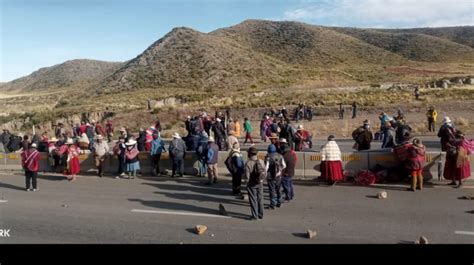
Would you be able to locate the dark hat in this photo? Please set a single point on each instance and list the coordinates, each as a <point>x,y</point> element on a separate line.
<point>252,151</point>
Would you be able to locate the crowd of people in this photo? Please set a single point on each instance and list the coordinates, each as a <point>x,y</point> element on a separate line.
<point>207,135</point>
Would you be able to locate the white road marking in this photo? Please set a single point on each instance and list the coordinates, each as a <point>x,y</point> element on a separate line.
<point>179,213</point>
<point>466,233</point>
<point>3,201</point>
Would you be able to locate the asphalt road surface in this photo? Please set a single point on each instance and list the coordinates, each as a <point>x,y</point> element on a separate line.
<point>165,210</point>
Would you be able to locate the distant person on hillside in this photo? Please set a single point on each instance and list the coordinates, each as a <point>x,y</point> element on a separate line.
<point>432,116</point>
<point>109,128</point>
<point>354,110</point>
<point>341,111</point>
<point>417,93</point>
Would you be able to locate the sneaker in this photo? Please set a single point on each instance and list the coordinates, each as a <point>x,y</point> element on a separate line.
<point>28,190</point>
<point>117,177</point>
<point>278,205</point>
<point>260,217</point>
<point>215,181</point>
<point>36,189</point>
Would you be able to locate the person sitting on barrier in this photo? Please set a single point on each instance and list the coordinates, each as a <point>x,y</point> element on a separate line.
<point>331,165</point>
<point>388,136</point>
<point>157,147</point>
<point>301,138</point>
<point>363,137</point>
<point>132,164</point>
<point>212,159</point>
<point>235,165</point>
<point>255,173</point>
<point>30,162</point>
<point>290,159</point>
<point>71,152</point>
<point>84,142</point>
<point>274,165</point>
<point>101,151</point>
<point>177,151</point>
<point>416,163</point>
<point>119,151</point>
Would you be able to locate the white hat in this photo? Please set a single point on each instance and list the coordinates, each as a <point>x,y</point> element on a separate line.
<point>300,127</point>
<point>283,140</point>
<point>189,117</point>
<point>88,124</point>
<point>218,120</point>
<point>131,142</point>
<point>176,135</point>
<point>211,139</point>
<point>122,129</point>
<point>53,140</point>
<point>33,145</point>
<point>99,137</point>
<point>69,141</point>
<point>93,121</point>
<point>447,120</point>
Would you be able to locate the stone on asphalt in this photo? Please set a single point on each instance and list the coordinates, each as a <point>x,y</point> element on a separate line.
<point>200,229</point>
<point>222,210</point>
<point>311,234</point>
<point>382,195</point>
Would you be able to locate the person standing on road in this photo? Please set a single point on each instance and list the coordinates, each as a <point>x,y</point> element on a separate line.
<point>30,162</point>
<point>290,159</point>
<point>72,165</point>
<point>458,166</point>
<point>274,165</point>
<point>237,128</point>
<point>255,173</point>
<point>446,133</point>
<point>389,136</point>
<point>177,151</point>
<point>416,163</point>
<point>248,131</point>
<point>100,150</point>
<point>119,151</point>
<point>235,165</point>
<point>157,147</point>
<point>232,141</point>
<point>201,152</point>
<point>212,159</point>
<point>331,165</point>
<point>132,164</point>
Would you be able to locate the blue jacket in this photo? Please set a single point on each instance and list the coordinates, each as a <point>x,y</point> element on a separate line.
<point>157,146</point>
<point>212,153</point>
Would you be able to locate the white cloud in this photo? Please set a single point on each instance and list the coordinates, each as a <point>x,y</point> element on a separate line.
<point>389,13</point>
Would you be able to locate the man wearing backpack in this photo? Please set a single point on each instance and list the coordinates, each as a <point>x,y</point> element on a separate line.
<point>274,165</point>
<point>235,165</point>
<point>30,162</point>
<point>255,173</point>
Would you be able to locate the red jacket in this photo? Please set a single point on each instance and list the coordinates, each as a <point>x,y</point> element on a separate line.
<point>82,129</point>
<point>30,160</point>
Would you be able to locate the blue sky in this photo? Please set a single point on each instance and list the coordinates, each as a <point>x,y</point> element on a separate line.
<point>41,33</point>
